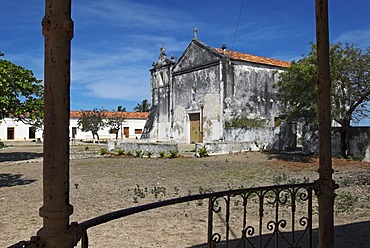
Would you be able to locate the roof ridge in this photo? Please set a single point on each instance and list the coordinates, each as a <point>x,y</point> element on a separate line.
<point>254,58</point>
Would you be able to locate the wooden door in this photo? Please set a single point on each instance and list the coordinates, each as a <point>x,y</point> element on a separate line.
<point>10,134</point>
<point>126,132</point>
<point>194,128</point>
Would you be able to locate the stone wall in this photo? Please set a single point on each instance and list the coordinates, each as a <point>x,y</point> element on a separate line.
<point>359,140</point>
<point>154,147</point>
<point>273,138</point>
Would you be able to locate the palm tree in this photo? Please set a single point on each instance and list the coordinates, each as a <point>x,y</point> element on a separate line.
<point>144,106</point>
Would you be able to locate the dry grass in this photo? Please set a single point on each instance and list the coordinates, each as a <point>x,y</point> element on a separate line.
<point>101,185</point>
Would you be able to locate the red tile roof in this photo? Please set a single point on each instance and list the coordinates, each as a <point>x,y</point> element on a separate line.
<point>113,114</point>
<point>254,59</point>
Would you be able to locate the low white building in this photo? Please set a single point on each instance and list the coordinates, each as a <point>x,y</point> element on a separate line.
<point>11,129</point>
<point>132,125</point>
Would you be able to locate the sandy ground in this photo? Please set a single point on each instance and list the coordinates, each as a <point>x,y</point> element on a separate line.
<point>103,184</point>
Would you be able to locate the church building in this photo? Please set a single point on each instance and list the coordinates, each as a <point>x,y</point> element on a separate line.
<point>195,98</point>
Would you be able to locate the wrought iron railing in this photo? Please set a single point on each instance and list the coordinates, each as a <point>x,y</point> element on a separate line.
<point>273,216</point>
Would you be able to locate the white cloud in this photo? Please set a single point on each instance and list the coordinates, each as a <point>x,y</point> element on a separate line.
<point>131,14</point>
<point>358,37</point>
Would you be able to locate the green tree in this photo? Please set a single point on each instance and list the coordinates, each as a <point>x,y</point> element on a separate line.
<point>350,90</point>
<point>144,106</point>
<point>92,121</point>
<point>21,94</point>
<point>121,109</point>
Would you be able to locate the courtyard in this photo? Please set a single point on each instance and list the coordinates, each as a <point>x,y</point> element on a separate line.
<point>101,184</point>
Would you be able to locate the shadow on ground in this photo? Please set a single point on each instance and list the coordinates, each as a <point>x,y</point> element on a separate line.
<point>351,235</point>
<point>291,157</point>
<point>9,180</point>
<point>18,156</point>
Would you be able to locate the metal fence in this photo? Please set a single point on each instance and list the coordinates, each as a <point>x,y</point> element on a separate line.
<point>272,216</point>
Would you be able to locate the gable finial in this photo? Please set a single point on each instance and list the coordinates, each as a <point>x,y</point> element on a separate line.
<point>195,33</point>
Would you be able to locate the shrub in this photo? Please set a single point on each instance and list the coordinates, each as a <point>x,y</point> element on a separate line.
<point>86,148</point>
<point>2,144</point>
<point>138,153</point>
<point>162,154</point>
<point>103,151</point>
<point>149,154</point>
<point>174,154</point>
<point>119,151</point>
<point>203,152</point>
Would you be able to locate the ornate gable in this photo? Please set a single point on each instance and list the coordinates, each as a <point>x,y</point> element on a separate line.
<point>197,54</point>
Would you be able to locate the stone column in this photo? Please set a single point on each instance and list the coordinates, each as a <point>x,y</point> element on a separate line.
<point>326,184</point>
<point>57,27</point>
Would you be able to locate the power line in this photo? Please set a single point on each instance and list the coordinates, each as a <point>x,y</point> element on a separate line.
<point>237,24</point>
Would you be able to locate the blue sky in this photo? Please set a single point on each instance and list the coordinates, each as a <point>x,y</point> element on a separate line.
<point>116,41</point>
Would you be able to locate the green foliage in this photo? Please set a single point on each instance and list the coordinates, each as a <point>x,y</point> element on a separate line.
<point>174,154</point>
<point>149,154</point>
<point>138,153</point>
<point>203,152</point>
<point>119,152</point>
<point>86,148</point>
<point>350,85</point>
<point>357,156</point>
<point>103,151</point>
<point>21,94</point>
<point>129,153</point>
<point>92,121</point>
<point>162,154</point>
<point>243,122</point>
<point>144,106</point>
<point>2,145</point>
<point>345,202</point>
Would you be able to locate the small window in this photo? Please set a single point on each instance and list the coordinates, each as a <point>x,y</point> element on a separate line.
<point>32,132</point>
<point>138,131</point>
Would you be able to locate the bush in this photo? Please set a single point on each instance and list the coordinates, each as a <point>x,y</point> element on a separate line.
<point>149,154</point>
<point>174,154</point>
<point>2,144</point>
<point>119,151</point>
<point>138,153</point>
<point>203,152</point>
<point>103,151</point>
<point>162,154</point>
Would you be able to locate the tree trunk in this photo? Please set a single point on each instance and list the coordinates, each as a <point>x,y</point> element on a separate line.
<point>344,139</point>
<point>97,136</point>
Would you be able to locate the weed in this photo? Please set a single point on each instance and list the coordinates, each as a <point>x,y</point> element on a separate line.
<point>129,153</point>
<point>174,154</point>
<point>156,191</point>
<point>149,154</point>
<point>103,151</point>
<point>243,122</point>
<point>176,190</point>
<point>86,148</point>
<point>345,202</point>
<point>202,152</point>
<point>138,153</point>
<point>119,152</point>
<point>162,154</point>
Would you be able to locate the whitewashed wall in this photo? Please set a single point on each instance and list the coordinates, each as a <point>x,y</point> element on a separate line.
<point>21,130</point>
<point>132,124</point>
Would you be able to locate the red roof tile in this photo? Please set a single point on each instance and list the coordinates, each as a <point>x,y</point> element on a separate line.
<point>254,59</point>
<point>113,114</point>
